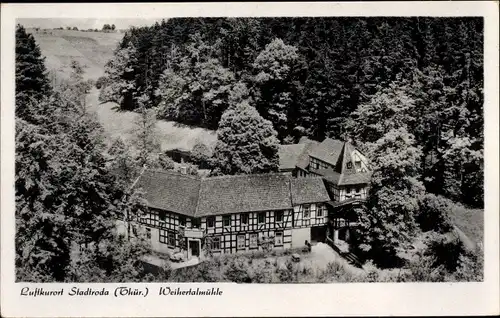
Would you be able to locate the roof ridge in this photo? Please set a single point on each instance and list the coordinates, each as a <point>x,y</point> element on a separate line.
<point>175,173</point>
<point>229,176</point>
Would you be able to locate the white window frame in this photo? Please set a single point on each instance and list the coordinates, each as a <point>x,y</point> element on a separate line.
<point>256,241</point>
<point>170,235</point>
<point>308,211</point>
<point>320,208</point>
<point>240,238</point>
<point>278,239</point>
<point>215,240</point>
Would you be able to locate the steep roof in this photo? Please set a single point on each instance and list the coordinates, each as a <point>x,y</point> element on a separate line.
<point>355,178</point>
<point>289,155</point>
<point>197,197</point>
<point>244,193</point>
<point>308,190</point>
<point>170,191</point>
<point>328,151</point>
<point>303,159</point>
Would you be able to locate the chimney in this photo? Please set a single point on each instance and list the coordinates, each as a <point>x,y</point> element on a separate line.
<point>183,170</point>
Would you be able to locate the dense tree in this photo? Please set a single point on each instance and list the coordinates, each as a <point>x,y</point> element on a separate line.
<point>119,86</point>
<point>145,134</point>
<point>277,84</point>
<point>31,75</point>
<point>67,199</point>
<point>246,143</point>
<point>196,90</point>
<point>388,220</point>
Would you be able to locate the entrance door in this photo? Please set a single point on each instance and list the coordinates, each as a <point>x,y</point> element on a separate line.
<point>194,246</point>
<point>318,234</point>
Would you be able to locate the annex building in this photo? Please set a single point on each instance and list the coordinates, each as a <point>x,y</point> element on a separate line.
<point>310,199</point>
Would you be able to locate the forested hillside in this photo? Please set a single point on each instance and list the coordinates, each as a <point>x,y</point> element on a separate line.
<point>356,78</point>
<point>407,92</point>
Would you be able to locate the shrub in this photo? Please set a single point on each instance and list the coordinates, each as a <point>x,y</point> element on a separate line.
<point>434,213</point>
<point>238,271</point>
<point>288,273</point>
<point>201,155</point>
<point>165,162</point>
<point>263,273</point>
<point>470,267</point>
<point>446,251</point>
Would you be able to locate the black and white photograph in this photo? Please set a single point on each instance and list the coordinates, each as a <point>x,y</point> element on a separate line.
<point>250,150</point>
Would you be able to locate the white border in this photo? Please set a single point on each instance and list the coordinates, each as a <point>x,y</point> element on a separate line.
<point>261,300</point>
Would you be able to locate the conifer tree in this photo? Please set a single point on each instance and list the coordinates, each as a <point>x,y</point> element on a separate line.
<point>32,83</point>
<point>145,133</point>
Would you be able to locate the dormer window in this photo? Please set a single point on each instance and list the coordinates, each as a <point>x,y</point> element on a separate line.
<point>357,164</point>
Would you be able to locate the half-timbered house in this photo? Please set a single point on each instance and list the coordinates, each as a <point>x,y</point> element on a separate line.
<point>232,213</point>
<point>310,200</point>
<point>346,173</point>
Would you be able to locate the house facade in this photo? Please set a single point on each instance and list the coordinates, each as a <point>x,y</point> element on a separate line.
<point>345,171</point>
<point>310,200</point>
<point>230,214</point>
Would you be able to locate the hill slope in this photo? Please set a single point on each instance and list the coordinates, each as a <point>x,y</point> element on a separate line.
<point>93,50</point>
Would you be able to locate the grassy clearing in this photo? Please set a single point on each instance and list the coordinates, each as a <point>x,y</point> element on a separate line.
<point>470,221</point>
<point>171,134</point>
<point>93,50</point>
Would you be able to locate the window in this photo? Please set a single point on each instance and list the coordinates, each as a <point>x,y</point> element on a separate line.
<point>254,240</point>
<point>196,223</point>
<point>357,164</point>
<point>349,165</point>
<point>149,219</point>
<point>216,243</point>
<point>167,237</point>
<point>307,211</point>
<point>134,230</point>
<point>182,220</point>
<point>240,241</point>
<point>171,239</point>
<point>319,210</point>
<point>314,163</point>
<point>148,233</point>
<point>163,236</point>
<point>210,221</point>
<point>358,189</point>
<point>278,239</point>
<point>244,219</point>
<point>226,220</point>
<point>278,216</point>
<point>163,215</point>
<point>348,189</point>
<point>262,217</point>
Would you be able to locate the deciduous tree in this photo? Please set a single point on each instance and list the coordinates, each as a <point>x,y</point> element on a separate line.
<point>246,143</point>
